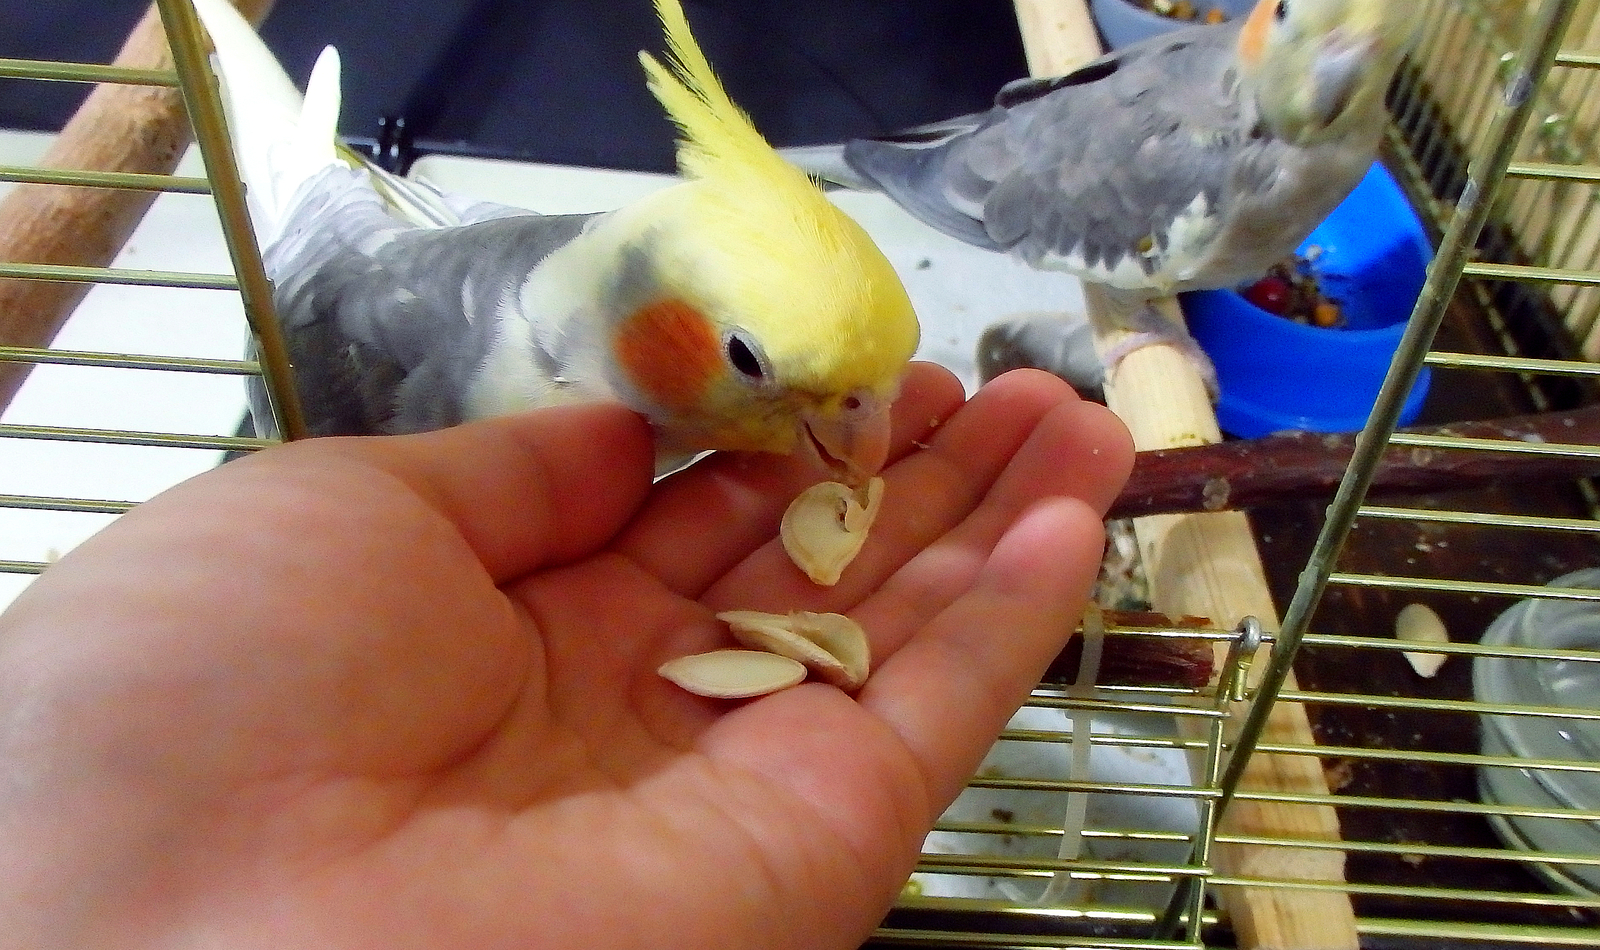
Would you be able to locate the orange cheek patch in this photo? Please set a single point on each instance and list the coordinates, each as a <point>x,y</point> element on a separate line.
<point>670,352</point>
<point>1253,35</point>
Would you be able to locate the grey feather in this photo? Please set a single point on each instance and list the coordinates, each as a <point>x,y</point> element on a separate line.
<point>1055,342</point>
<point>386,321</point>
<point>1101,172</point>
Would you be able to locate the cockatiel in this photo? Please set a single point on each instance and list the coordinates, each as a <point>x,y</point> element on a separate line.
<point>1192,160</point>
<point>738,309</point>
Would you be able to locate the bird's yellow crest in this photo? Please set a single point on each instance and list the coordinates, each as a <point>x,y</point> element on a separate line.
<point>786,247</point>
<point>718,140</point>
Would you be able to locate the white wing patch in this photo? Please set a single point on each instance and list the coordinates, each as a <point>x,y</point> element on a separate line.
<point>1191,239</point>
<point>509,379</point>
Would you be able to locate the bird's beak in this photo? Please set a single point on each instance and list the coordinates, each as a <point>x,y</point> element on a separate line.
<point>1338,71</point>
<point>851,444</point>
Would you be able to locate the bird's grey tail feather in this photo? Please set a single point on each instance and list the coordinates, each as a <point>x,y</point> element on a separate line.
<point>907,167</point>
<point>280,138</point>
<point>417,202</point>
<point>283,139</point>
<point>834,163</point>
<point>913,178</point>
<point>827,163</point>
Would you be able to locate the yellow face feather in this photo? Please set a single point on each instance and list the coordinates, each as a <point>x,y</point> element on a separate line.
<point>1320,66</point>
<point>802,278</point>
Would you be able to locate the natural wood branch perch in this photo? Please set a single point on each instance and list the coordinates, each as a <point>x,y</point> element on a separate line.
<point>1225,476</point>
<point>1133,659</point>
<point>119,128</point>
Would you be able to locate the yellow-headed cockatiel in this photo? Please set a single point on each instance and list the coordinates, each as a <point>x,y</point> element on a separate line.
<point>736,310</point>
<point>1192,160</point>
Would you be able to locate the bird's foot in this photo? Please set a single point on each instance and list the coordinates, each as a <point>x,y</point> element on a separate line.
<point>1155,330</point>
<point>1056,342</point>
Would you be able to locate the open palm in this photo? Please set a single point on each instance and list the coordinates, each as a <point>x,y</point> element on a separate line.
<point>402,692</point>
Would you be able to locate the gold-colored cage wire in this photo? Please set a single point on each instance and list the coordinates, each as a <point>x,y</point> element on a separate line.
<point>1100,816</point>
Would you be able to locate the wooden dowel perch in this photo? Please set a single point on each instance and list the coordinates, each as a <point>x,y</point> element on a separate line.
<point>119,128</point>
<point>1207,565</point>
<point>1228,476</point>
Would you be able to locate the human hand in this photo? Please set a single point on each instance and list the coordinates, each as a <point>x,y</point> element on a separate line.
<point>401,692</point>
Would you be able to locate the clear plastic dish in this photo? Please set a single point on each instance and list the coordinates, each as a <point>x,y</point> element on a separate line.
<point>1552,683</point>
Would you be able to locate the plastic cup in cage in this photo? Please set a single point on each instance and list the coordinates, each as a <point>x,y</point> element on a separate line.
<point>1571,746</point>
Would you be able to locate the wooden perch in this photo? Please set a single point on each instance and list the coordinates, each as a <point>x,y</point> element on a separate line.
<point>1225,476</point>
<point>119,128</point>
<point>1208,565</point>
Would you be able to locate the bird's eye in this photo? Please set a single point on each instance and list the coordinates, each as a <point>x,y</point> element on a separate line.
<point>1281,10</point>
<point>742,354</point>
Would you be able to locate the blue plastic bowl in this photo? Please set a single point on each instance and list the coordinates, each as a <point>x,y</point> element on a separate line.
<point>1122,22</point>
<point>1275,374</point>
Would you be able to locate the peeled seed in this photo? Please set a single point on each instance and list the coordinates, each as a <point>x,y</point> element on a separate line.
<point>832,646</point>
<point>1419,624</point>
<point>774,633</point>
<point>824,528</point>
<point>733,674</point>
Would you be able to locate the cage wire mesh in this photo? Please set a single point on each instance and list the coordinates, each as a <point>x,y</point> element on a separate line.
<point>1094,820</point>
<point>53,448</point>
<point>1467,795</point>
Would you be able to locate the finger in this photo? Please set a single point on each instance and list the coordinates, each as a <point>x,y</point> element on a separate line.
<point>525,491</point>
<point>701,522</point>
<point>949,690</point>
<point>927,494</point>
<point>1077,451</point>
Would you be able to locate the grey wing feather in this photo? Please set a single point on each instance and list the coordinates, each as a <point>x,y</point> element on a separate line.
<point>422,203</point>
<point>826,163</point>
<point>909,167</point>
<point>1092,164</point>
<point>920,169</point>
<point>1100,170</point>
<point>386,322</point>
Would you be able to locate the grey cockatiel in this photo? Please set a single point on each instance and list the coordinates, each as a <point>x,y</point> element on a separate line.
<point>736,310</point>
<point>1193,160</point>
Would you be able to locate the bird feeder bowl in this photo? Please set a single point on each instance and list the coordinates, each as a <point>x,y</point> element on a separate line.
<point>1370,256</point>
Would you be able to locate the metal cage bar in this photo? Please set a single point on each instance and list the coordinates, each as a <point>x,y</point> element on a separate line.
<point>192,78</point>
<point>201,96</point>
<point>1131,883</point>
<point>1472,212</point>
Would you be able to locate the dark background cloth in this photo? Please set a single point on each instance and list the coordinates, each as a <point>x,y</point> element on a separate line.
<point>559,80</point>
